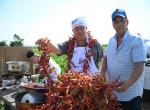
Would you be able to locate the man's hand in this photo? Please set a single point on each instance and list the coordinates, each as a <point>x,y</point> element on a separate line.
<point>105,76</point>
<point>51,70</point>
<point>124,85</point>
<point>137,71</point>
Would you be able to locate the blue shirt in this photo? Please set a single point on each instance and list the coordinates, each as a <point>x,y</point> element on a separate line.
<point>120,63</point>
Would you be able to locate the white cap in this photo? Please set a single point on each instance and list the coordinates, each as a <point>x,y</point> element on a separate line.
<point>80,21</point>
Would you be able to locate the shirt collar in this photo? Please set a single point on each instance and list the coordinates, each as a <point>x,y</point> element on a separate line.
<point>124,37</point>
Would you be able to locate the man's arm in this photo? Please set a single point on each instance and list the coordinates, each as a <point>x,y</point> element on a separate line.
<point>138,57</point>
<point>100,50</point>
<point>138,70</point>
<point>136,73</point>
<point>54,48</point>
<point>103,67</point>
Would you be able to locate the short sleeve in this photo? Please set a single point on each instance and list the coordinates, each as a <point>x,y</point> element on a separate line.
<point>138,50</point>
<point>63,47</point>
<point>52,63</point>
<point>105,52</point>
<point>100,50</point>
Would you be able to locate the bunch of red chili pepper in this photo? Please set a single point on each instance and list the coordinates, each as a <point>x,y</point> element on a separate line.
<point>76,91</point>
<point>44,46</point>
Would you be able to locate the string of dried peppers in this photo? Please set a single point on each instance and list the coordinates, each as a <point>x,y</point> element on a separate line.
<point>44,46</point>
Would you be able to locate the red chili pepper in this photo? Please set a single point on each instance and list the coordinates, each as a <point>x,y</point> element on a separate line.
<point>75,91</point>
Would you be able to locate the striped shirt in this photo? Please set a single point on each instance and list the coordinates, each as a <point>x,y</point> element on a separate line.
<point>120,63</point>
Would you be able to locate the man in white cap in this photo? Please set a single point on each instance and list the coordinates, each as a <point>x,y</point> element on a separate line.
<point>83,51</point>
<point>124,61</point>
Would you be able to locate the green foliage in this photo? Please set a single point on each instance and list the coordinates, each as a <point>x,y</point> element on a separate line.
<point>2,105</point>
<point>104,46</point>
<point>18,41</point>
<point>62,61</point>
<point>3,43</point>
<point>36,51</point>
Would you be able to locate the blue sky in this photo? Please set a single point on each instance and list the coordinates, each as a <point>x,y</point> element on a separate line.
<point>32,19</point>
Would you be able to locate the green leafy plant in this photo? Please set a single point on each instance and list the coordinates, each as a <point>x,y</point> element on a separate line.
<point>3,43</point>
<point>104,46</point>
<point>2,105</point>
<point>18,41</point>
<point>36,51</point>
<point>62,61</point>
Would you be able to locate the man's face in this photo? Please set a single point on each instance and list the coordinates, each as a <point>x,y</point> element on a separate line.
<point>80,32</point>
<point>120,25</point>
<point>34,59</point>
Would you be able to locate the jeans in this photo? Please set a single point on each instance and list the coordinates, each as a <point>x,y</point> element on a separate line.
<point>134,104</point>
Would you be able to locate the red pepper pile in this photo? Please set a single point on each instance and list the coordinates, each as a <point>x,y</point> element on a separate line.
<point>75,91</point>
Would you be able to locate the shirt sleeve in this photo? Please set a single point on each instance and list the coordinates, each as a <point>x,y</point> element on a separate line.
<point>63,47</point>
<point>107,48</point>
<point>138,50</point>
<point>110,43</point>
<point>52,63</point>
<point>105,52</point>
<point>100,50</point>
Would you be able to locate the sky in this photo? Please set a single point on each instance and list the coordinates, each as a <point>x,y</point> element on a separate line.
<point>33,19</point>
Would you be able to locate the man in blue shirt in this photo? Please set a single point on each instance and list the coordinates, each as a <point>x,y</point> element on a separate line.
<point>124,61</point>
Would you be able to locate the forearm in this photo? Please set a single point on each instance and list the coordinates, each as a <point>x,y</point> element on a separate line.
<point>103,66</point>
<point>137,71</point>
<point>54,48</point>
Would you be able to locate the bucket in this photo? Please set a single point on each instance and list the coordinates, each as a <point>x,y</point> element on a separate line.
<point>26,101</point>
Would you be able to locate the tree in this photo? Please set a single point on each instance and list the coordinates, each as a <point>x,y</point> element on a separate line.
<point>18,41</point>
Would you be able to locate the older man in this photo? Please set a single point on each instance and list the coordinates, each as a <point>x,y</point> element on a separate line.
<point>83,51</point>
<point>124,61</point>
